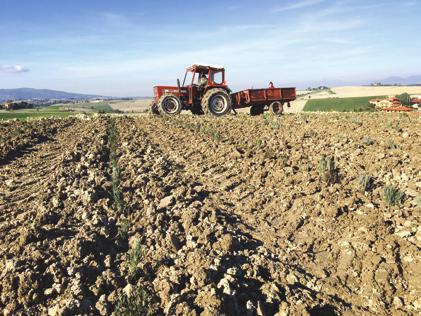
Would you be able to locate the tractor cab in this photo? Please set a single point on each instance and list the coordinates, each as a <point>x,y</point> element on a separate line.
<point>215,76</point>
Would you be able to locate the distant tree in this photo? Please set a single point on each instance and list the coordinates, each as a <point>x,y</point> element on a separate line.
<point>405,98</point>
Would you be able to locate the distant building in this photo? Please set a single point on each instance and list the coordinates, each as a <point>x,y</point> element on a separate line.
<point>375,101</point>
<point>16,105</point>
<point>416,101</point>
<point>386,103</point>
<point>8,105</point>
<point>391,104</point>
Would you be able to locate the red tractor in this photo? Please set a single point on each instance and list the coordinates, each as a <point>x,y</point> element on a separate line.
<point>208,93</point>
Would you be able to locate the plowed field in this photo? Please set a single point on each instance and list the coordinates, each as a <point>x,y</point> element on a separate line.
<point>315,214</point>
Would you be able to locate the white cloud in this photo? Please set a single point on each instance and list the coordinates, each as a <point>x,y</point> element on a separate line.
<point>13,69</point>
<point>297,5</point>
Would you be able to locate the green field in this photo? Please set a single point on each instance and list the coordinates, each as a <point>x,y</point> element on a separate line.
<point>102,107</point>
<point>64,110</point>
<point>357,104</point>
<point>32,115</point>
<point>50,111</point>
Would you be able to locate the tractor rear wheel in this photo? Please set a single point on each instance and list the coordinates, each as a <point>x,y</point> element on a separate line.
<point>169,104</point>
<point>257,110</point>
<point>216,102</point>
<point>276,108</point>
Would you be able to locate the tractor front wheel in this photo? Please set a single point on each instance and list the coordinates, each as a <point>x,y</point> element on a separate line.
<point>169,104</point>
<point>216,102</point>
<point>276,108</point>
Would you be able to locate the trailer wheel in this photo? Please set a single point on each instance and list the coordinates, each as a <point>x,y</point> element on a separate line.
<point>216,102</point>
<point>276,108</point>
<point>169,104</point>
<point>257,110</point>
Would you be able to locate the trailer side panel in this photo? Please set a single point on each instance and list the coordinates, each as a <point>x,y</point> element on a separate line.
<point>251,97</point>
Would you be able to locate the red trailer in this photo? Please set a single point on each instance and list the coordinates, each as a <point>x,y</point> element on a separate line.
<point>259,100</point>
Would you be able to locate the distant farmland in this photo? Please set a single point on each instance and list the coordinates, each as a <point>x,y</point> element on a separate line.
<point>44,112</point>
<point>357,104</point>
<point>103,107</point>
<point>63,110</point>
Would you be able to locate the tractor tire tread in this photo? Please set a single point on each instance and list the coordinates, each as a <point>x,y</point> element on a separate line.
<point>208,95</point>
<point>159,105</point>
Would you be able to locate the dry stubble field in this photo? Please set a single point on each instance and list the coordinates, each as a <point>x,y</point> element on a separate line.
<point>194,215</point>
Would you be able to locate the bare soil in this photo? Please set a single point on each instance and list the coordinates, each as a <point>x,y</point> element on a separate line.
<point>205,216</point>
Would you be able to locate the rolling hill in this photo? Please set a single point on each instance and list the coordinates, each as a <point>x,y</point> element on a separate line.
<point>412,80</point>
<point>29,93</point>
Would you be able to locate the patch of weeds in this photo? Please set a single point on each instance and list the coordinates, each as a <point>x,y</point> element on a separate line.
<point>365,181</point>
<point>242,143</point>
<point>418,201</point>
<point>210,131</point>
<point>123,232</point>
<point>398,128</point>
<point>166,118</point>
<point>275,125</point>
<point>205,129</point>
<point>216,135</point>
<point>392,145</point>
<point>393,196</point>
<point>368,141</point>
<point>266,116</point>
<point>357,122</point>
<point>327,170</point>
<point>117,194</point>
<point>194,127</point>
<point>259,144</point>
<point>404,115</point>
<point>112,136</point>
<point>134,259</point>
<point>395,126</point>
<point>138,303</point>
<point>17,132</point>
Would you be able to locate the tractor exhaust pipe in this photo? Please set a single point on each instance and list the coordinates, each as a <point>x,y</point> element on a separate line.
<point>179,87</point>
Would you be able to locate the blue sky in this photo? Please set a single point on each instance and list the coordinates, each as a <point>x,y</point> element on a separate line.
<point>123,48</point>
